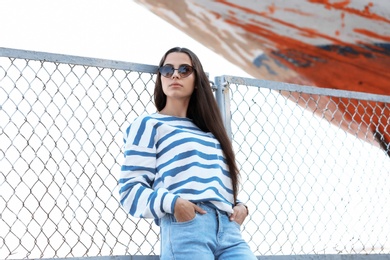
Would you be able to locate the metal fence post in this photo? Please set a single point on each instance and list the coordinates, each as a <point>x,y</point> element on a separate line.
<point>223,101</point>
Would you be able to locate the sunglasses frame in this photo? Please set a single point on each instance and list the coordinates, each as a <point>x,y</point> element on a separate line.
<point>181,67</point>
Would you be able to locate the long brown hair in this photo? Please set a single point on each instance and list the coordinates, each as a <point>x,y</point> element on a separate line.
<point>203,111</point>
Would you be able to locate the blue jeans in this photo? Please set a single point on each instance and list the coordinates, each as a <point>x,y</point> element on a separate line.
<point>206,237</point>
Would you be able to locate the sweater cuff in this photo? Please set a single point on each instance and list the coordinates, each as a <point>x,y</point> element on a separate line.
<point>168,203</point>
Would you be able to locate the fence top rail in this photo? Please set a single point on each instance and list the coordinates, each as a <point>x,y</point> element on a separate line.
<point>275,85</point>
<point>76,60</point>
<point>145,68</point>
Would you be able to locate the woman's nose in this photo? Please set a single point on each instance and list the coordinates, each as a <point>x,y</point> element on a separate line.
<point>175,74</point>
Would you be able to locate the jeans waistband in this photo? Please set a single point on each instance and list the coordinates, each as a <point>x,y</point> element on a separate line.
<point>206,204</point>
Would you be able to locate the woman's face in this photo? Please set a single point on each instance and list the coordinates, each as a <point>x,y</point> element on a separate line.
<point>176,86</point>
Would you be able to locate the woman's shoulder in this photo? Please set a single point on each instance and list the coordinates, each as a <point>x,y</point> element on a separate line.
<point>141,126</point>
<point>160,120</point>
<point>144,118</point>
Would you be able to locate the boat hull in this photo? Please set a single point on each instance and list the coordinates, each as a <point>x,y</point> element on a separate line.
<point>329,44</point>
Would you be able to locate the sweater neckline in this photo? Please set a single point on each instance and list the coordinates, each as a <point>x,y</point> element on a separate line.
<point>178,117</point>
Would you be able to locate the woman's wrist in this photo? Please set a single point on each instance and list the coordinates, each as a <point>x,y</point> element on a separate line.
<point>246,207</point>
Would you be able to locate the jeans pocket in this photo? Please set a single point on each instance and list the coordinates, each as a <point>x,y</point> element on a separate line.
<point>175,222</point>
<point>236,224</point>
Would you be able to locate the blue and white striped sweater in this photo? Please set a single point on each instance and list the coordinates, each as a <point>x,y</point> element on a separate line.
<point>169,157</point>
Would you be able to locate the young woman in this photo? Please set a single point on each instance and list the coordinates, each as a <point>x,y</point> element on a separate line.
<point>180,168</point>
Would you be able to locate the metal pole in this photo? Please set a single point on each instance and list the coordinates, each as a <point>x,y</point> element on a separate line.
<point>223,101</point>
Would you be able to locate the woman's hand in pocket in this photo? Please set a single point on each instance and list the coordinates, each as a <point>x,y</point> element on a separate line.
<point>240,212</point>
<point>186,210</point>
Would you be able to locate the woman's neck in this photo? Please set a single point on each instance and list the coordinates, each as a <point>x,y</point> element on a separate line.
<point>177,110</point>
<point>172,113</point>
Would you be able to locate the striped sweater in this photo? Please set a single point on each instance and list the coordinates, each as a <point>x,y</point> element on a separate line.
<point>167,157</point>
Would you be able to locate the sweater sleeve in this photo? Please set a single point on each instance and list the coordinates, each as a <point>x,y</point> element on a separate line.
<point>137,176</point>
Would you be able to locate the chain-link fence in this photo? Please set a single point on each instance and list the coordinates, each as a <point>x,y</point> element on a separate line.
<point>313,186</point>
<point>315,172</point>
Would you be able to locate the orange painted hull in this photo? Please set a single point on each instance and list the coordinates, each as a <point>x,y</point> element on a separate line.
<point>330,44</point>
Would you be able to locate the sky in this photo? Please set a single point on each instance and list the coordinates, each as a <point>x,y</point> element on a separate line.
<point>108,29</point>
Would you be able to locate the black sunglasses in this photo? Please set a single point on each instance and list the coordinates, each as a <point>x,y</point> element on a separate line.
<point>184,70</point>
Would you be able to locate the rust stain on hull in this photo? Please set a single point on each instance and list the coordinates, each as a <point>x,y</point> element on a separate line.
<point>343,6</point>
<point>330,44</point>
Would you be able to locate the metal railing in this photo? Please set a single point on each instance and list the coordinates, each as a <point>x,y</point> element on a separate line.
<point>313,185</point>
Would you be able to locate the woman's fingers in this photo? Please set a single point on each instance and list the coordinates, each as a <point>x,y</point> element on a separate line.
<point>239,214</point>
<point>186,210</point>
<point>199,209</point>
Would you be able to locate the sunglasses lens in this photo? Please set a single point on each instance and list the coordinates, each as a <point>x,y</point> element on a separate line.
<point>185,70</point>
<point>167,71</point>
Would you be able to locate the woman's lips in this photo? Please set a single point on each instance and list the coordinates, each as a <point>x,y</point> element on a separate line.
<point>175,85</point>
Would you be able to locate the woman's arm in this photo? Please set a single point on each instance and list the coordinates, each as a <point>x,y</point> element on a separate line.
<point>137,175</point>
<point>137,194</point>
